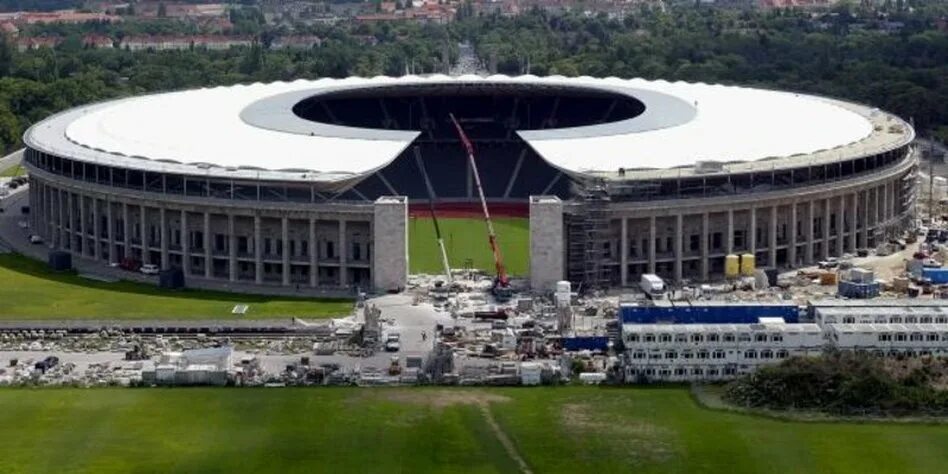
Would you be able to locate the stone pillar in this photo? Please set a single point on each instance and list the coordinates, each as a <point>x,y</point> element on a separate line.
<point>865,219</point>
<point>705,263</point>
<point>163,236</point>
<point>185,244</point>
<point>285,254</point>
<point>651,244</point>
<point>231,247</point>
<point>62,241</point>
<point>729,238</point>
<point>113,252</point>
<point>854,224</point>
<point>96,243</point>
<point>623,251</point>
<point>810,234</point>
<point>792,249</point>
<point>752,245</point>
<point>146,255</point>
<point>547,265</point>
<point>82,225</point>
<point>257,250</point>
<point>390,233</point>
<point>841,227</point>
<point>826,228</point>
<point>126,234</point>
<point>679,250</point>
<point>343,254</point>
<point>772,245</point>
<point>208,251</point>
<point>314,254</point>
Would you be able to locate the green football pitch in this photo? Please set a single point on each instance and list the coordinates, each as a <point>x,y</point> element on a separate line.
<point>465,240</point>
<point>421,430</point>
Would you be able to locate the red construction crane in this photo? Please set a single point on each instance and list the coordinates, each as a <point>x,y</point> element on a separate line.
<point>502,279</point>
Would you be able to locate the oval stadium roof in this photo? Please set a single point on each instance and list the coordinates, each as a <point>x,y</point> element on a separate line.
<point>251,127</point>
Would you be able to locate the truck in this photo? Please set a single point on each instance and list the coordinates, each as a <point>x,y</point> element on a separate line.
<point>652,285</point>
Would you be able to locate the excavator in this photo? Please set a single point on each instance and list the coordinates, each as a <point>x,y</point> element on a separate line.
<point>501,288</point>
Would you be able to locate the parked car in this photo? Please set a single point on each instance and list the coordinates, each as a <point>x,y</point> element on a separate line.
<point>149,269</point>
<point>35,239</point>
<point>393,342</point>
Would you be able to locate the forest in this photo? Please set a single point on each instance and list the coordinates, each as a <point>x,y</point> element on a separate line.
<point>895,59</point>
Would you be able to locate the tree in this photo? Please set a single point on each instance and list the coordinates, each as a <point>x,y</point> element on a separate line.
<point>6,55</point>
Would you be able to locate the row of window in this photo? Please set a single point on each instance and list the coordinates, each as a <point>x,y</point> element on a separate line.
<point>897,320</point>
<point>713,337</point>
<point>703,355</point>
<point>914,337</point>
<point>681,371</point>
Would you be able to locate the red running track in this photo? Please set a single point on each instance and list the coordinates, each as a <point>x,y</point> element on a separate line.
<point>470,210</point>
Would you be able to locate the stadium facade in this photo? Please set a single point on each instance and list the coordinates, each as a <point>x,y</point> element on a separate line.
<point>310,182</point>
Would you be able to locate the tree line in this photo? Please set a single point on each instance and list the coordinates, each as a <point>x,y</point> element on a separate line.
<point>895,59</point>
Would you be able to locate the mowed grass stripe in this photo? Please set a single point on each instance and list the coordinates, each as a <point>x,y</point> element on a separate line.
<point>28,290</point>
<point>562,429</point>
<point>466,238</point>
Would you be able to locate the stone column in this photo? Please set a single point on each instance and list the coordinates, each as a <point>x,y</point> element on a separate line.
<point>163,236</point>
<point>810,231</point>
<point>623,251</point>
<point>343,254</point>
<point>96,243</point>
<point>208,252</point>
<point>146,255</point>
<point>63,237</point>
<point>232,247</point>
<point>126,234</point>
<point>752,246</point>
<point>865,219</point>
<point>390,233</point>
<point>841,227</point>
<point>83,241</point>
<point>705,253</point>
<point>679,253</point>
<point>826,228</point>
<point>113,252</point>
<point>257,250</point>
<point>185,243</point>
<point>792,249</point>
<point>729,238</point>
<point>314,253</point>
<point>772,245</point>
<point>285,254</point>
<point>854,224</point>
<point>651,244</point>
<point>71,220</point>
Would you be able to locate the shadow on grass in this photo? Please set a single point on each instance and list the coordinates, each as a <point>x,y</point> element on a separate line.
<point>24,265</point>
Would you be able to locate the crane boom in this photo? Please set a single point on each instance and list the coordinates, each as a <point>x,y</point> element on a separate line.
<point>502,279</point>
<point>444,253</point>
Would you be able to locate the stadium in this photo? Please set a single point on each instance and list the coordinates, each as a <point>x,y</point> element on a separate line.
<point>313,183</point>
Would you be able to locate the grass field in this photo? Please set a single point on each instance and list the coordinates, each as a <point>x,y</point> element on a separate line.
<point>29,291</point>
<point>18,170</point>
<point>466,238</point>
<point>553,430</point>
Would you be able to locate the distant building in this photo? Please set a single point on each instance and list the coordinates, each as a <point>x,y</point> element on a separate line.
<point>297,42</point>
<point>97,41</point>
<point>64,16</point>
<point>26,44</point>
<point>166,43</point>
<point>7,28</point>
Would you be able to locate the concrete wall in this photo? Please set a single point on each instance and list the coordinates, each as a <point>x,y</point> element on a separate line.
<point>391,244</point>
<point>547,257</point>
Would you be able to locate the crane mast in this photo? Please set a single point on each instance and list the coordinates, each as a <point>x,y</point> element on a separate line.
<point>502,279</point>
<point>444,253</point>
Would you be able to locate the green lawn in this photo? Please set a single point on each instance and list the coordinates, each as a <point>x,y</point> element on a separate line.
<point>565,429</point>
<point>18,170</point>
<point>29,291</point>
<point>466,238</point>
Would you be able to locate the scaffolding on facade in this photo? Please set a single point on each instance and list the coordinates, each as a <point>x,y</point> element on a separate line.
<point>589,239</point>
